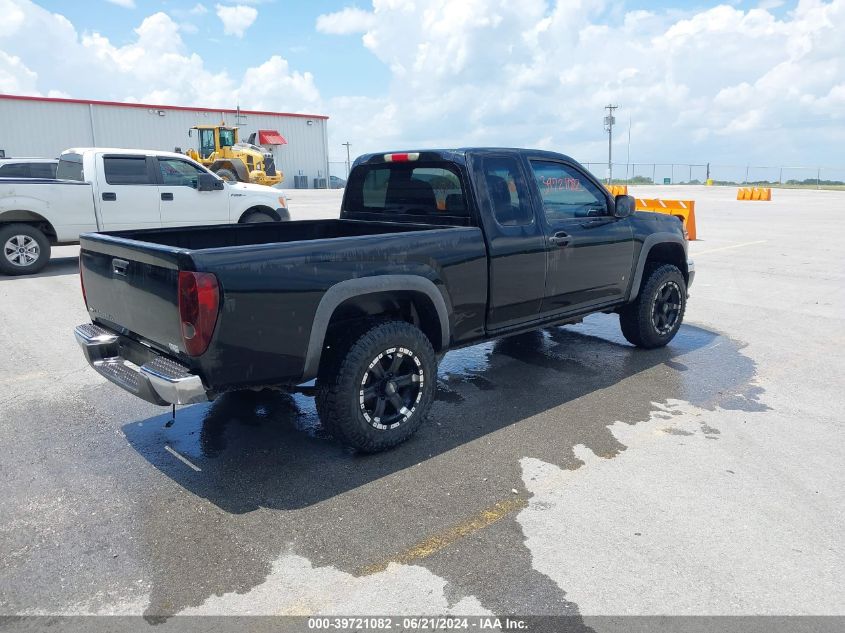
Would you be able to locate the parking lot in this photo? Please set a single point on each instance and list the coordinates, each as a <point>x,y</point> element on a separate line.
<point>562,471</point>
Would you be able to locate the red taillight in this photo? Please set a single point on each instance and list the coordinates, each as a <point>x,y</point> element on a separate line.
<point>401,158</point>
<point>82,282</point>
<point>199,300</point>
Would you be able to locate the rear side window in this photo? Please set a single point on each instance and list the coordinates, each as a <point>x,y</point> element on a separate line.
<point>70,167</point>
<point>43,170</point>
<point>126,170</point>
<point>506,191</point>
<point>15,170</point>
<point>399,189</point>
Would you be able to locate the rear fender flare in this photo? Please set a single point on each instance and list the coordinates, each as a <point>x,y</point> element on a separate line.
<point>350,288</point>
<point>650,242</point>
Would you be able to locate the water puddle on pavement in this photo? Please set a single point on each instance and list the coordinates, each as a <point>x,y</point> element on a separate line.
<point>270,481</point>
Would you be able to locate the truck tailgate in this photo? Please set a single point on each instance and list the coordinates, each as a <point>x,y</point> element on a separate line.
<point>132,287</point>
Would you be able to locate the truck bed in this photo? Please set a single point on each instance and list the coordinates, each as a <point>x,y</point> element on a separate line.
<point>70,200</point>
<point>269,275</point>
<point>217,236</point>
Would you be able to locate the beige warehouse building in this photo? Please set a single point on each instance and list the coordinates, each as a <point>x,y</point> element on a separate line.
<point>44,127</point>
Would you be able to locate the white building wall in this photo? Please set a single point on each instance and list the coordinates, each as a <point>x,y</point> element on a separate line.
<point>39,128</point>
<point>46,128</point>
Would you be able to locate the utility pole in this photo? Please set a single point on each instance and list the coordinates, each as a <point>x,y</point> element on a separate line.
<point>628,157</point>
<point>347,144</point>
<point>609,121</point>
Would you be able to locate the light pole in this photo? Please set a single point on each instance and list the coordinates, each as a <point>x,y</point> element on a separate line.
<point>609,120</point>
<point>628,157</point>
<point>347,144</point>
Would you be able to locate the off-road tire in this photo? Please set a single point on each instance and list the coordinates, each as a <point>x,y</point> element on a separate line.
<point>11,231</point>
<point>637,319</point>
<point>341,385</point>
<point>227,174</point>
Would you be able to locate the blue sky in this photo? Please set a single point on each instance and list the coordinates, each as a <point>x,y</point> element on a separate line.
<point>733,82</point>
<point>285,27</point>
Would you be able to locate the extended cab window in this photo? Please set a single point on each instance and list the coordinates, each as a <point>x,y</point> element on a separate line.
<point>178,173</point>
<point>126,170</point>
<point>43,170</point>
<point>397,189</point>
<point>566,193</point>
<point>70,167</point>
<point>15,170</point>
<point>506,191</point>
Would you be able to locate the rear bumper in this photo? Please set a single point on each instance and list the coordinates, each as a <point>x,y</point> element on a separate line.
<point>690,272</point>
<point>159,380</point>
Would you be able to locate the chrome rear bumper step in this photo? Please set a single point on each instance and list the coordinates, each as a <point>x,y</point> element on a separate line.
<point>161,380</point>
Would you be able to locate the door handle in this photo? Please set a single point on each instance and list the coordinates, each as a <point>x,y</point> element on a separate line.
<point>560,239</point>
<point>119,266</point>
<point>109,196</point>
<point>167,196</point>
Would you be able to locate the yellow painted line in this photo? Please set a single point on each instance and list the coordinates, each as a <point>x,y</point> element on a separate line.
<point>724,248</point>
<point>433,544</point>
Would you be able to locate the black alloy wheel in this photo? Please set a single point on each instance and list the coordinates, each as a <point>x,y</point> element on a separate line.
<point>667,307</point>
<point>391,388</point>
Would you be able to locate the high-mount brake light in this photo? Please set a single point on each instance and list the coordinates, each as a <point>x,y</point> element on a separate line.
<point>401,158</point>
<point>199,302</point>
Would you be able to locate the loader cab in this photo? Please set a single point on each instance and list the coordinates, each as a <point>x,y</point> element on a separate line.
<point>206,142</point>
<point>228,136</point>
<point>213,138</point>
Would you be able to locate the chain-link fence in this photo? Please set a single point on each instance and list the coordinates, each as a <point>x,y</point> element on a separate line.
<point>699,173</point>
<point>338,169</point>
<point>696,174</point>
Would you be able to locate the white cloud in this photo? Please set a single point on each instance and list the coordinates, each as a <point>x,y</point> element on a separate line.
<point>13,18</point>
<point>15,77</point>
<point>266,82</point>
<point>198,9</point>
<point>155,67</point>
<point>718,84</point>
<point>126,4</point>
<point>236,19</point>
<point>715,84</point>
<point>348,20</point>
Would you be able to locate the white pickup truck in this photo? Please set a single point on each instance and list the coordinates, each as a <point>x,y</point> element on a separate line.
<point>98,189</point>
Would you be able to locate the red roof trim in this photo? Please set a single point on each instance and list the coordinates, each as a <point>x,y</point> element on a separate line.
<point>159,107</point>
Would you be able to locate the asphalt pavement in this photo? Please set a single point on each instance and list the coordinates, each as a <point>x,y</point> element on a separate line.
<point>560,472</point>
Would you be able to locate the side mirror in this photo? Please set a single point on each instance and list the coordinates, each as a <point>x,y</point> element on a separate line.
<point>625,206</point>
<point>209,182</point>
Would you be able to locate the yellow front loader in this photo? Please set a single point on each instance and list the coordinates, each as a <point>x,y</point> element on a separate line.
<point>221,151</point>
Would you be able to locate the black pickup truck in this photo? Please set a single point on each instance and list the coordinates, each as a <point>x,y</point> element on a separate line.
<point>434,249</point>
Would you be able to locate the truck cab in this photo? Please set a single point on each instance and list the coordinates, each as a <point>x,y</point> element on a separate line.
<point>103,189</point>
<point>433,250</point>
